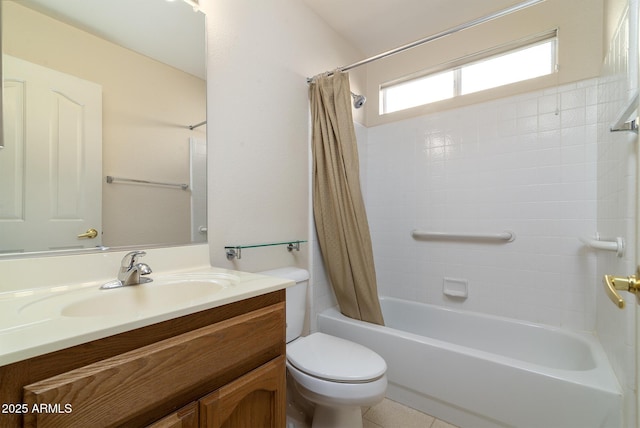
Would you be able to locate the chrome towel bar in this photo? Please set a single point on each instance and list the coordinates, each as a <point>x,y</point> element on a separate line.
<point>506,236</point>
<point>112,179</point>
<point>192,127</point>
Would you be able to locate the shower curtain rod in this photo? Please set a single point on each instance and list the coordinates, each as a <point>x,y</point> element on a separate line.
<point>450,31</point>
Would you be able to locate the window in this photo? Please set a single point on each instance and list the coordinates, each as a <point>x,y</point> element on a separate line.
<point>525,62</point>
<point>423,90</point>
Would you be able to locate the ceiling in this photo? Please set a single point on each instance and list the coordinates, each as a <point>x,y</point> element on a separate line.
<point>168,31</point>
<point>375,26</point>
<point>372,26</point>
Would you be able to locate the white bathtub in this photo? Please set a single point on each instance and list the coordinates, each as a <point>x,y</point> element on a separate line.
<point>475,370</point>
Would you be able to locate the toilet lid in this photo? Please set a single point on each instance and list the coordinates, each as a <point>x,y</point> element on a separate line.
<point>335,359</point>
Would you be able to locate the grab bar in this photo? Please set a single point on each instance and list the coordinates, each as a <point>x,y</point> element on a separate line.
<point>612,244</point>
<point>507,236</point>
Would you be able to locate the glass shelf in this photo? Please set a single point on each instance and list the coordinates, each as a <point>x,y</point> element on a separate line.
<point>235,251</point>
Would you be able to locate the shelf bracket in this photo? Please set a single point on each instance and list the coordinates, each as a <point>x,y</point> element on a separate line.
<point>621,123</point>
<point>233,253</point>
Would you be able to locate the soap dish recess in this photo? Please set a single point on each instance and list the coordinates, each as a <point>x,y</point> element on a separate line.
<point>455,287</point>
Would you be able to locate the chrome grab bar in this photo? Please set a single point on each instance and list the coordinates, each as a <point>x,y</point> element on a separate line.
<point>112,179</point>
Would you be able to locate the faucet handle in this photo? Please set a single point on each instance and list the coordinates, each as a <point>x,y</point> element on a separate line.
<point>144,269</point>
<point>131,258</point>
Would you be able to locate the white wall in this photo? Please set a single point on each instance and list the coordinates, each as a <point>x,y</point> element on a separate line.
<point>260,54</point>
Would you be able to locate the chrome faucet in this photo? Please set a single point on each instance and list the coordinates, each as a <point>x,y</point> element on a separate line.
<point>130,271</point>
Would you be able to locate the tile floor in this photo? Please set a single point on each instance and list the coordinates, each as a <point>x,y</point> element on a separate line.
<point>386,414</point>
<point>389,414</point>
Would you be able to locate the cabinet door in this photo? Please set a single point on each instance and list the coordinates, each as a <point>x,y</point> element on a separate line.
<point>257,400</point>
<point>133,388</point>
<point>187,417</point>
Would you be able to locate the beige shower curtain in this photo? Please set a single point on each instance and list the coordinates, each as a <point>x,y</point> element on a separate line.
<point>338,208</point>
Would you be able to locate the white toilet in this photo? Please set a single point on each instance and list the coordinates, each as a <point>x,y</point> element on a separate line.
<point>336,375</point>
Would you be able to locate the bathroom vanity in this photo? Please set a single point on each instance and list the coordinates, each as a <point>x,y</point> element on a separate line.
<point>223,365</point>
<point>198,347</point>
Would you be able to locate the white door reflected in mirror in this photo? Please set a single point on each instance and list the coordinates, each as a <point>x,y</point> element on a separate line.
<point>53,151</point>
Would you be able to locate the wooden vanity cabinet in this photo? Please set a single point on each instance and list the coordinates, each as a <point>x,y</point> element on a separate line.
<point>224,367</point>
<point>250,401</point>
<point>253,400</point>
<point>187,417</point>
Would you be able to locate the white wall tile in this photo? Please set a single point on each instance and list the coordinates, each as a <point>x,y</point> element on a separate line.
<point>516,164</point>
<point>616,196</point>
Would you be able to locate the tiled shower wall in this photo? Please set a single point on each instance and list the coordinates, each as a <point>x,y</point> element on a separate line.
<point>526,164</point>
<point>617,191</point>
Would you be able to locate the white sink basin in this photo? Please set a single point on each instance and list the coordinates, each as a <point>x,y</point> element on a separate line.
<point>159,295</point>
<point>142,298</point>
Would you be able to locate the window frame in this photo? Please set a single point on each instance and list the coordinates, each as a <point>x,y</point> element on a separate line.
<point>457,65</point>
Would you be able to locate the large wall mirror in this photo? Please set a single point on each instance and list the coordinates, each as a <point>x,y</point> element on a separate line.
<point>103,130</point>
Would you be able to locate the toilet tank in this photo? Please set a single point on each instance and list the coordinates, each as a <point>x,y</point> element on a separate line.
<point>296,298</point>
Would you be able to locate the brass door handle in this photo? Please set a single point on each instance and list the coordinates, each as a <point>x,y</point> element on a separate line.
<point>91,233</point>
<point>614,283</point>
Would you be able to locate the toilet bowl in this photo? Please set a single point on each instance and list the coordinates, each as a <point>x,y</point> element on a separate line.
<point>336,375</point>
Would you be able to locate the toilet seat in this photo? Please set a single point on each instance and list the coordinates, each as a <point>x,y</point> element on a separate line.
<point>331,393</point>
<point>334,359</point>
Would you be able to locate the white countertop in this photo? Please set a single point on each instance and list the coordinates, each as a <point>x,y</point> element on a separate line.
<point>34,321</point>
